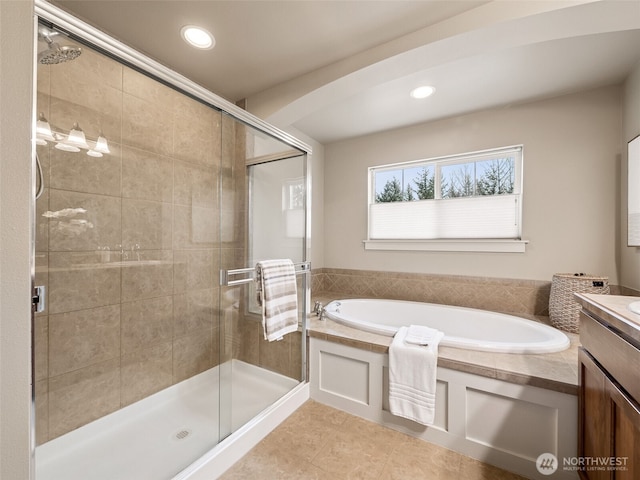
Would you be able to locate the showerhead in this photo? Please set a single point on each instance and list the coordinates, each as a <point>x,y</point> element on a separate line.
<point>55,53</point>
<point>59,54</point>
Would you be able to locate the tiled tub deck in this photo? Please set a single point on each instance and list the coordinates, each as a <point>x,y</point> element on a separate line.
<point>551,371</point>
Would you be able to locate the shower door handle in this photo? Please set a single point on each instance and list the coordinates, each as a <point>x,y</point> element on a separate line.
<point>38,298</point>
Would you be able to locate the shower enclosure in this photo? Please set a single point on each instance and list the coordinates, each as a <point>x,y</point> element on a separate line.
<point>155,201</point>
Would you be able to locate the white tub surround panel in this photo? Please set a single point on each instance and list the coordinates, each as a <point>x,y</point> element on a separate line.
<point>497,422</point>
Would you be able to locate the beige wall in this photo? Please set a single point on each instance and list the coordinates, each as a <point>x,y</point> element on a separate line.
<point>316,159</point>
<point>629,258</point>
<point>16,50</point>
<point>571,164</point>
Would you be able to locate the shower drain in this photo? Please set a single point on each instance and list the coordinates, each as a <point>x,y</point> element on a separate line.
<point>182,434</point>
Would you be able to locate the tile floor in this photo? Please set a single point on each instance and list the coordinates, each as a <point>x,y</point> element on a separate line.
<point>320,442</point>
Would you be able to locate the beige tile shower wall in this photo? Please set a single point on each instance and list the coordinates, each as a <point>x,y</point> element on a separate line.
<point>233,208</point>
<point>282,356</point>
<point>132,278</point>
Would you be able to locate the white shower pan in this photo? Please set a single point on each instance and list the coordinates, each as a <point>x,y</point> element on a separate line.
<point>159,436</point>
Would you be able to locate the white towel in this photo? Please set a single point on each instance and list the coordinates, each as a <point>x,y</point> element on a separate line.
<point>420,335</point>
<point>412,378</point>
<point>277,295</point>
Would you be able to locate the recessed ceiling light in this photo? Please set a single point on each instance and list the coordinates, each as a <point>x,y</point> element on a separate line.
<point>422,92</point>
<point>198,37</point>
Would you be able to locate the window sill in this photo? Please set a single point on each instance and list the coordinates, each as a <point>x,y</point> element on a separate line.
<point>471,245</point>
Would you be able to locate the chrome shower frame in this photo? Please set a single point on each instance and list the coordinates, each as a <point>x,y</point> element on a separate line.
<point>84,33</point>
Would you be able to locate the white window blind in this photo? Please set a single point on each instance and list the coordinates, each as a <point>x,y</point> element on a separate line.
<point>448,218</point>
<point>474,211</point>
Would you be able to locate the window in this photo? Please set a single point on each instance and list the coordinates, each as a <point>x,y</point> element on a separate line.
<point>464,198</point>
<point>293,194</point>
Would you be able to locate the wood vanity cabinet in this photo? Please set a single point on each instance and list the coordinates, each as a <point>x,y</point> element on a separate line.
<point>609,411</point>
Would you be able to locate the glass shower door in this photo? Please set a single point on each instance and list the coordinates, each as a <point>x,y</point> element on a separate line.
<point>125,352</point>
<point>144,359</point>
<point>263,200</point>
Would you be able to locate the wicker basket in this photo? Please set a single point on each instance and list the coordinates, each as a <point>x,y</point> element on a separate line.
<point>563,309</point>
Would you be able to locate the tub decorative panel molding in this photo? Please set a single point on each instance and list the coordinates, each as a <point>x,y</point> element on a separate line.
<point>505,424</point>
<point>488,413</point>
<point>353,384</point>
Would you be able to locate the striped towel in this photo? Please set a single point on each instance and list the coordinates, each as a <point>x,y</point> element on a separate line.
<point>277,295</point>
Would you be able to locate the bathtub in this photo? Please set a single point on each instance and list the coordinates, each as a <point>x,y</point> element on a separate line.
<point>467,328</point>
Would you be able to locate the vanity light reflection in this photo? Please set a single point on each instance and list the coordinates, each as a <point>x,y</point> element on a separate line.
<point>74,141</point>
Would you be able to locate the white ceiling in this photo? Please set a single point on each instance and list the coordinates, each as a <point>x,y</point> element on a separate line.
<point>346,67</point>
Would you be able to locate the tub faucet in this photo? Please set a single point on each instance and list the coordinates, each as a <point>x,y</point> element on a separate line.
<point>318,309</point>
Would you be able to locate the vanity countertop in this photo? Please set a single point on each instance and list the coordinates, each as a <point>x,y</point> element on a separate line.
<point>614,310</point>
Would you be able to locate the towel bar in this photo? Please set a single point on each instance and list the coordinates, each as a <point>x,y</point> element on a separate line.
<point>226,274</point>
